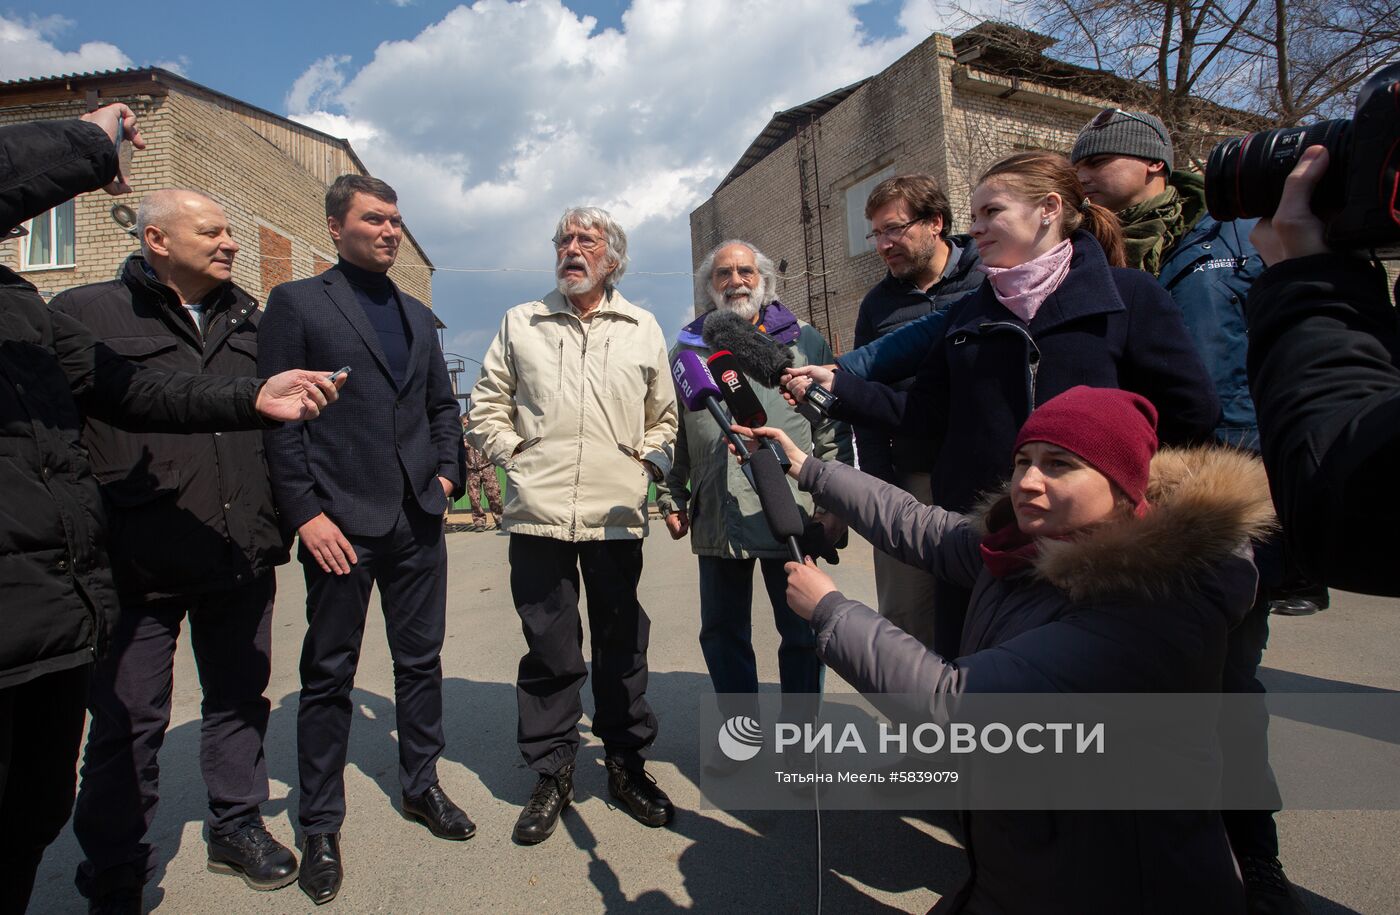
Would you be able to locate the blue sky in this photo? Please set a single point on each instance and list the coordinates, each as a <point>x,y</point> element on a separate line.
<point>491,117</point>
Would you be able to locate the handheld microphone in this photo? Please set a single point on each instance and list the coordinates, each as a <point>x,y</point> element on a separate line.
<point>760,355</point>
<point>698,391</point>
<point>738,395</point>
<point>779,507</point>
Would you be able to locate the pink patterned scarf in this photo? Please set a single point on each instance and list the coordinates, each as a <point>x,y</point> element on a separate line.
<point>1023,288</point>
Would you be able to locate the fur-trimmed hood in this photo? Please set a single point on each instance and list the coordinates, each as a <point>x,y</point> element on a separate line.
<point>1206,503</point>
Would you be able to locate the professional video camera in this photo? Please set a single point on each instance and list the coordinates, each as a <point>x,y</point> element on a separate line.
<point>1358,198</point>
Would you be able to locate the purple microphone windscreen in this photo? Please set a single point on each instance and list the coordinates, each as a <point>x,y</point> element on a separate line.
<point>735,389</point>
<point>693,380</point>
<point>774,494</point>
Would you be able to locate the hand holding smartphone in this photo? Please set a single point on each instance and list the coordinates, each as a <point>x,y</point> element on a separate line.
<point>119,123</point>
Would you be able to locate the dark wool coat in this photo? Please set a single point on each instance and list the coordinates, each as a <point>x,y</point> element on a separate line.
<point>1133,605</point>
<point>1106,327</point>
<point>188,514</point>
<point>893,303</point>
<point>59,598</point>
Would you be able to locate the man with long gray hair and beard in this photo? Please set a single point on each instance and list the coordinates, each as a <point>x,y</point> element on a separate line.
<point>706,494</point>
<point>575,400</point>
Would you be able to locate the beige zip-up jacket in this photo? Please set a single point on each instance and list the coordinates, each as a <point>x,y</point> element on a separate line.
<point>590,402</point>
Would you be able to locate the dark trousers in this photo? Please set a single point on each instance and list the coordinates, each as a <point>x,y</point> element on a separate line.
<point>231,634</point>
<point>726,628</point>
<point>409,566</point>
<point>544,582</point>
<point>41,724</point>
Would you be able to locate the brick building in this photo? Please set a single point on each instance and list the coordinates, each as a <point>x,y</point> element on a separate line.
<point>950,107</point>
<point>269,173</point>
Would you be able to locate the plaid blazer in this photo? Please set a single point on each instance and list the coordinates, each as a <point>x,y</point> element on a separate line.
<point>379,444</point>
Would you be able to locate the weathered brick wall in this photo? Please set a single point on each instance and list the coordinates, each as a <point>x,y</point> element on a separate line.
<point>275,207</point>
<point>265,194</point>
<point>918,115</point>
<point>100,245</point>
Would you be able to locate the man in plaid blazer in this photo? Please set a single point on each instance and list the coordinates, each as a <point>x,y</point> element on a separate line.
<point>366,498</point>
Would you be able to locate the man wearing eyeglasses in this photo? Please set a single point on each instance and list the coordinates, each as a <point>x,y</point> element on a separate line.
<point>575,400</point>
<point>1125,160</point>
<point>929,269</point>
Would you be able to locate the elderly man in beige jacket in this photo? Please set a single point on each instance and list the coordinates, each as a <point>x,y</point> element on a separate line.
<point>575,400</point>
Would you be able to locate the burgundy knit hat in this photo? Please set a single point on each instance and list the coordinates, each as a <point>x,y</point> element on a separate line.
<point>1114,431</point>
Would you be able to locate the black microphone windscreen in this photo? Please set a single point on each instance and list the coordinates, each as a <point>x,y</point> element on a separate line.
<point>738,394</point>
<point>774,494</point>
<point>757,352</point>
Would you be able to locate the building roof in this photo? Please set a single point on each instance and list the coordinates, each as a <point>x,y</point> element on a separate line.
<point>783,126</point>
<point>109,84</point>
<point>1004,50</point>
<point>1019,54</point>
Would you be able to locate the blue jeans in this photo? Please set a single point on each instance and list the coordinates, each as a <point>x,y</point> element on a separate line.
<point>726,630</point>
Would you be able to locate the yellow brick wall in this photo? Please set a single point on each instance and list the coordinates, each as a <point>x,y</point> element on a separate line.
<point>912,116</point>
<point>196,143</point>
<point>100,245</point>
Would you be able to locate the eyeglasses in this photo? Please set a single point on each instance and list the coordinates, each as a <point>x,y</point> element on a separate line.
<point>891,232</point>
<point>585,242</point>
<point>1105,117</point>
<point>745,272</point>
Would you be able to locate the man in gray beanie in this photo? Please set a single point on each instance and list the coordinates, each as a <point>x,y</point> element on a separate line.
<point>1124,159</point>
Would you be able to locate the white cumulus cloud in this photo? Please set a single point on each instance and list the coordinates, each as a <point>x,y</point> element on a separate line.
<point>492,120</point>
<point>27,50</point>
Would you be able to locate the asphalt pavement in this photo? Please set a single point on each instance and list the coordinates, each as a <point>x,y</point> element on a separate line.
<point>706,860</point>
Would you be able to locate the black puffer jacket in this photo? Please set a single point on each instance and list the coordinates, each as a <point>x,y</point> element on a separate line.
<point>59,600</point>
<point>188,514</point>
<point>1324,366</point>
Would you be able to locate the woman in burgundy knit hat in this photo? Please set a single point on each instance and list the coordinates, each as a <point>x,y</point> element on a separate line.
<point>1105,566</point>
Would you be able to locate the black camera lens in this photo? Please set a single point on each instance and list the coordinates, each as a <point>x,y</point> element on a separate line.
<point>1245,175</point>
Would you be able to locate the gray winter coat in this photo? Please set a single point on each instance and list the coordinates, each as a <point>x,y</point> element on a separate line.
<point>1138,605</point>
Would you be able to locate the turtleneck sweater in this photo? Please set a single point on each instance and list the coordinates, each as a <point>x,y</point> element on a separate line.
<point>377,296</point>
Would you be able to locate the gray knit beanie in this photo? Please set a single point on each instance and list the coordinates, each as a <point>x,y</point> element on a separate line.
<point>1123,135</point>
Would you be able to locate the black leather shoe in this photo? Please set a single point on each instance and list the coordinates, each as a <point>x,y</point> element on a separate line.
<point>553,792</point>
<point>321,870</point>
<point>435,810</point>
<point>1293,606</point>
<point>253,854</point>
<point>1266,888</point>
<point>636,790</point>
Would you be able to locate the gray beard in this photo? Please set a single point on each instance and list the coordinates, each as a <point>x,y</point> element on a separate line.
<point>744,308</point>
<point>577,287</point>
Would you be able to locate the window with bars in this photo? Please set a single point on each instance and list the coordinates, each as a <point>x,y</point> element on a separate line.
<point>50,239</point>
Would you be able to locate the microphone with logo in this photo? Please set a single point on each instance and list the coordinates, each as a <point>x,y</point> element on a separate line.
<point>759,355</point>
<point>698,391</point>
<point>769,464</point>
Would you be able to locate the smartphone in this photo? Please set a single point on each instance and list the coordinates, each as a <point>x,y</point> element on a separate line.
<point>124,153</point>
<point>335,376</point>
